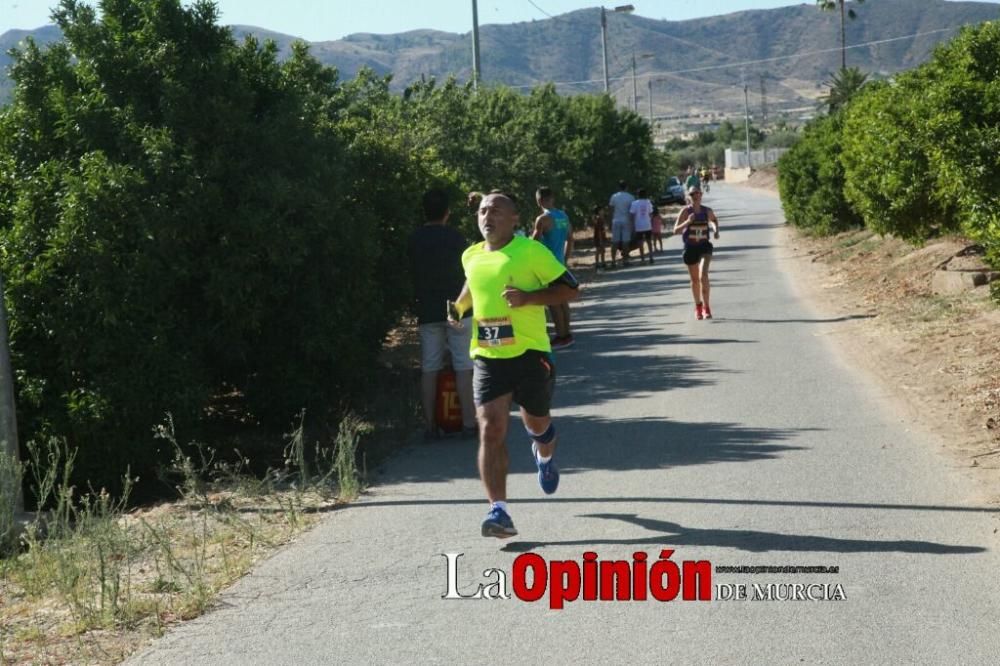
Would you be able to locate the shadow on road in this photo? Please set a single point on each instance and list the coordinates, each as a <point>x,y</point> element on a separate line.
<point>611,444</point>
<point>797,321</point>
<point>754,541</point>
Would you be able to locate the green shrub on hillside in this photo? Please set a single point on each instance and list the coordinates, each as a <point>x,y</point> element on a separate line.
<point>811,180</point>
<point>887,154</point>
<point>962,122</point>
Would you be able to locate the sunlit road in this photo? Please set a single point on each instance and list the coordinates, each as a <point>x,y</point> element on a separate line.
<point>740,441</point>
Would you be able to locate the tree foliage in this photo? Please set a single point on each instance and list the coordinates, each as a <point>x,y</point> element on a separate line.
<point>916,156</point>
<point>889,180</point>
<point>844,85</point>
<point>922,153</point>
<point>183,216</point>
<point>811,180</point>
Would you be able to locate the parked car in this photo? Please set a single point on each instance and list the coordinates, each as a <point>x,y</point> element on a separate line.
<point>673,192</point>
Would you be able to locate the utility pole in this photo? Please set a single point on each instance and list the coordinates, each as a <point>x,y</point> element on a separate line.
<point>650,98</point>
<point>476,72</point>
<point>635,91</point>
<point>763,102</point>
<point>746,112</point>
<point>604,46</point>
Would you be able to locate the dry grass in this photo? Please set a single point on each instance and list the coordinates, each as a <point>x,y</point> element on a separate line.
<point>93,581</point>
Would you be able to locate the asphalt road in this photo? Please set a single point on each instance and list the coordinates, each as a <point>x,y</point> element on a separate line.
<point>745,440</point>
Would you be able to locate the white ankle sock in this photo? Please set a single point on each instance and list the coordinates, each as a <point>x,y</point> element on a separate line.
<point>500,505</point>
<point>541,459</point>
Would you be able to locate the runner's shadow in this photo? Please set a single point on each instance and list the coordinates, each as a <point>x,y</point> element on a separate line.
<point>607,445</point>
<point>616,374</point>
<point>649,443</point>
<point>753,541</point>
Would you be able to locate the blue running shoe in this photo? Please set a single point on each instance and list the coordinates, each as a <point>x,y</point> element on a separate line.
<point>548,474</point>
<point>498,524</point>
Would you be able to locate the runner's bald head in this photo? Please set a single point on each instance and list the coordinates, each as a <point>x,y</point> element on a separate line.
<point>502,199</point>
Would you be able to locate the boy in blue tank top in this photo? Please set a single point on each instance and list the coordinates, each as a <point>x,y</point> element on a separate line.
<point>553,230</point>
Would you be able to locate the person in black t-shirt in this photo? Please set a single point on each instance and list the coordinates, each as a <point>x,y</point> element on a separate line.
<point>436,266</point>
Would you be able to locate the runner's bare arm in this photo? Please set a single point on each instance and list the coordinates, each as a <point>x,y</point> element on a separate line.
<point>542,224</point>
<point>564,289</point>
<point>682,221</point>
<point>713,218</point>
<point>462,303</point>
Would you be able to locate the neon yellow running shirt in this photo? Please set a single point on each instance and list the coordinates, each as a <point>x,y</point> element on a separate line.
<point>500,331</point>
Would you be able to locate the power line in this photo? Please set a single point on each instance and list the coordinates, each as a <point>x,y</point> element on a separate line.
<point>748,62</point>
<point>530,2</point>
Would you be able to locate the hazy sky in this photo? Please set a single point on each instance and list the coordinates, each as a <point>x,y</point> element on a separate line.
<point>317,20</point>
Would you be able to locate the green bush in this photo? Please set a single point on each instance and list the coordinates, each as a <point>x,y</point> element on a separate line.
<point>811,180</point>
<point>179,216</point>
<point>183,217</point>
<point>581,145</point>
<point>889,177</point>
<point>962,122</point>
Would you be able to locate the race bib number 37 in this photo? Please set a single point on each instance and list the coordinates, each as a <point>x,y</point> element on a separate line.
<point>497,332</point>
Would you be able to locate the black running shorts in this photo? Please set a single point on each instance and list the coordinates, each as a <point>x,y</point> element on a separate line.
<point>531,377</point>
<point>694,253</point>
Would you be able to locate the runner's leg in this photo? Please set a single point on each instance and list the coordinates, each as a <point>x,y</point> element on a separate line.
<point>493,420</point>
<point>695,274</point>
<point>705,286</point>
<point>539,424</point>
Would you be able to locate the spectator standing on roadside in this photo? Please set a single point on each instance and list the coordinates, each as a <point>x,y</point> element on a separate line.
<point>641,212</point>
<point>621,223</point>
<point>692,181</point>
<point>598,219</point>
<point>657,221</point>
<point>553,229</point>
<point>435,253</point>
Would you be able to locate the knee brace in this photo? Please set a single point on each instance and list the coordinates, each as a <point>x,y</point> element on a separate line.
<point>546,437</point>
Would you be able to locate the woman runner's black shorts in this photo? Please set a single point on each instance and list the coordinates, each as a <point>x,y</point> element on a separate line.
<point>694,253</point>
<point>531,377</point>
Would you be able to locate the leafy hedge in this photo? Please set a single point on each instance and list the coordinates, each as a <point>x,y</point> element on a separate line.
<point>183,216</point>
<point>920,155</point>
<point>811,180</point>
<point>887,161</point>
<point>963,99</point>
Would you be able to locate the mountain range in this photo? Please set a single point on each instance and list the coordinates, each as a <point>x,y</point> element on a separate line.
<point>692,68</point>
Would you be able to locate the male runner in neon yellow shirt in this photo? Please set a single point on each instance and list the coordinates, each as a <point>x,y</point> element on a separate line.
<point>510,280</point>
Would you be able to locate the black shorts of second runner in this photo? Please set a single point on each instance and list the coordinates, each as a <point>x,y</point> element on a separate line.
<point>531,377</point>
<point>644,236</point>
<point>694,253</point>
